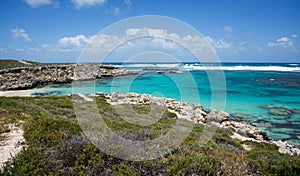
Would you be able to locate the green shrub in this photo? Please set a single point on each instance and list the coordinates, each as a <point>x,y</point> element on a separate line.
<point>48,132</point>
<point>122,169</point>
<point>56,145</point>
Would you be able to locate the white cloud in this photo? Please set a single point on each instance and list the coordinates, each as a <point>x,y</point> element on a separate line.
<point>37,3</point>
<point>146,31</point>
<point>283,42</point>
<point>209,39</point>
<point>128,2</point>
<point>137,39</point>
<point>76,41</point>
<point>222,44</point>
<point>85,3</point>
<point>228,28</point>
<point>295,35</point>
<point>132,31</point>
<point>218,43</point>
<point>174,36</point>
<point>20,33</point>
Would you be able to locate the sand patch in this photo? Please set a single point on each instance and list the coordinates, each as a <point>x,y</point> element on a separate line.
<point>11,145</point>
<point>15,93</point>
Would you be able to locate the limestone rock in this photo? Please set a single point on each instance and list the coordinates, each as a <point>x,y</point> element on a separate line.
<point>217,116</point>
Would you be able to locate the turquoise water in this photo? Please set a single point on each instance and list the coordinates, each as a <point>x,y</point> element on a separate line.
<point>246,87</point>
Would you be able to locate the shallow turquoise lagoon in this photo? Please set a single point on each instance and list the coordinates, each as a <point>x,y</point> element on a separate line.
<point>243,92</point>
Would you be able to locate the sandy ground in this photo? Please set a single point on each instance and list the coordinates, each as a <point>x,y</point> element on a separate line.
<point>12,145</point>
<point>15,93</point>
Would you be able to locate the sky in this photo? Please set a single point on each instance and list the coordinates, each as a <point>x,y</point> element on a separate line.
<point>238,31</point>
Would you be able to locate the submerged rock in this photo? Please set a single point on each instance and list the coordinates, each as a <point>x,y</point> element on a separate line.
<point>241,116</point>
<point>278,110</point>
<point>51,93</point>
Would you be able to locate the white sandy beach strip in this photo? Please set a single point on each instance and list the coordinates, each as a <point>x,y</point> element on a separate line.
<point>16,93</point>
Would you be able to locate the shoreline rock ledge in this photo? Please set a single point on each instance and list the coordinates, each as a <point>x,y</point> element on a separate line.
<point>241,130</point>
<point>21,78</point>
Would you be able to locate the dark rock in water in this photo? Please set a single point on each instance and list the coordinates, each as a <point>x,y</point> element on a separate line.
<point>264,135</point>
<point>233,92</point>
<point>280,112</point>
<point>277,91</point>
<point>43,94</point>
<point>143,78</point>
<point>295,111</point>
<point>161,72</point>
<point>241,116</point>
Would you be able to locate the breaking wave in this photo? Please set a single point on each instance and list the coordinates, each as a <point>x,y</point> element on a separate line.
<point>242,68</point>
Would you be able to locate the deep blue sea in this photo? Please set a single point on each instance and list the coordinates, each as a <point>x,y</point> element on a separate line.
<point>244,90</point>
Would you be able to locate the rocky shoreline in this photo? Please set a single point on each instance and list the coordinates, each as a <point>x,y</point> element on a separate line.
<point>21,78</point>
<point>241,130</point>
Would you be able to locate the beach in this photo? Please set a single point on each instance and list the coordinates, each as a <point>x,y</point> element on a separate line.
<point>16,93</point>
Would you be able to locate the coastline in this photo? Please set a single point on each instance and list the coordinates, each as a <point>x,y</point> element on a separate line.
<point>243,131</point>
<point>22,78</point>
<point>45,116</point>
<point>65,73</point>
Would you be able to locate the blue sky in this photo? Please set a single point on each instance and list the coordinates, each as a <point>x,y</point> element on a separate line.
<point>243,31</point>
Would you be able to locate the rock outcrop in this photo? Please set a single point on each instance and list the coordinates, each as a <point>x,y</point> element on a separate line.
<point>241,130</point>
<point>30,77</point>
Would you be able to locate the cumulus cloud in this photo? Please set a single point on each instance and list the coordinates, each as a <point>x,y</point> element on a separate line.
<point>76,41</point>
<point>283,42</point>
<point>146,31</point>
<point>295,35</point>
<point>37,3</point>
<point>85,3</point>
<point>136,40</point>
<point>20,33</point>
<point>228,28</point>
<point>221,44</point>
<point>161,38</point>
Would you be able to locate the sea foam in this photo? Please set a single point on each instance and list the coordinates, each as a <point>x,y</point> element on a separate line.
<point>242,68</point>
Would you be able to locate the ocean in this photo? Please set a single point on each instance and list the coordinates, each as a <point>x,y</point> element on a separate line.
<point>266,95</point>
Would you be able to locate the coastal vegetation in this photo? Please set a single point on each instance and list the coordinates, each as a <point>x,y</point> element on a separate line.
<point>56,145</point>
<point>5,64</point>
